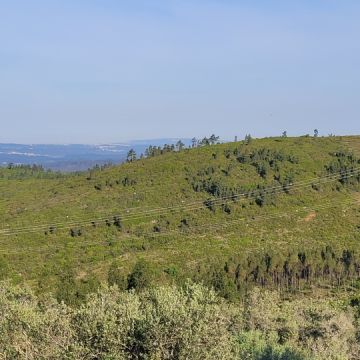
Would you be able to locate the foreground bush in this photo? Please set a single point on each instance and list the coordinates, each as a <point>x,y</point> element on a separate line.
<point>30,329</point>
<point>162,323</point>
<point>174,323</point>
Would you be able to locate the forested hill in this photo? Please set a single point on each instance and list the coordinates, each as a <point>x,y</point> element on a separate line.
<point>277,212</point>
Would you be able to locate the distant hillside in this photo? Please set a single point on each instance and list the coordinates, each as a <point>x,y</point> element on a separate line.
<point>74,157</point>
<point>280,212</point>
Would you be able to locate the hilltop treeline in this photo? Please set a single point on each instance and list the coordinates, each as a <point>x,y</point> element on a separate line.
<point>213,139</point>
<point>189,322</point>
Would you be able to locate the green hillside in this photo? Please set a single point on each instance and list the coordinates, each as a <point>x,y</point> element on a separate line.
<point>278,212</point>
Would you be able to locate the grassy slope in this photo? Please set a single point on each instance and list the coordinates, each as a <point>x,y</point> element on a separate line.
<point>165,182</point>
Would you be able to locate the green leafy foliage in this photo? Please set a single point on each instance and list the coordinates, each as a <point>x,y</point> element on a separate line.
<point>169,322</point>
<point>140,276</point>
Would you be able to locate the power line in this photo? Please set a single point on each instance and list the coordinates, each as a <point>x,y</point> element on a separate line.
<point>244,155</point>
<point>194,206</point>
<point>189,207</point>
<point>219,225</point>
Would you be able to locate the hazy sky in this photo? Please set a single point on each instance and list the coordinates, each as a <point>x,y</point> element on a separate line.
<point>91,71</point>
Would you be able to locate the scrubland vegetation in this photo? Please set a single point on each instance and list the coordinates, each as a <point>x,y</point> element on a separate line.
<point>244,250</point>
<point>169,322</point>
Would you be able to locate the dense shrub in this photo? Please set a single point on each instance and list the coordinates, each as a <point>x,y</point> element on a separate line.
<point>162,323</point>
<point>189,322</point>
<point>30,329</point>
<point>141,276</point>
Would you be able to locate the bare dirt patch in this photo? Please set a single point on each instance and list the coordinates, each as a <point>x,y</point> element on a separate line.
<point>310,216</point>
<point>357,198</point>
<point>81,275</point>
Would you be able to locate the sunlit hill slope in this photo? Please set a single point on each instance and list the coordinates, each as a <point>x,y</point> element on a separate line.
<point>275,211</point>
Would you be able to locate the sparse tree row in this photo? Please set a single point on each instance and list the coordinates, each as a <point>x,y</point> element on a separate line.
<point>152,151</point>
<point>12,171</point>
<point>295,271</point>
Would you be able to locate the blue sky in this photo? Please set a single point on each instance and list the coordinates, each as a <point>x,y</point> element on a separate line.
<point>105,71</point>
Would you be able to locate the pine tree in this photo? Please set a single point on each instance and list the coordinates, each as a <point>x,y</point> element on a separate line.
<point>131,155</point>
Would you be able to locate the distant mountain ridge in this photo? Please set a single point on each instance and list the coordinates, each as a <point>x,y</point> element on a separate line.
<point>74,157</point>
